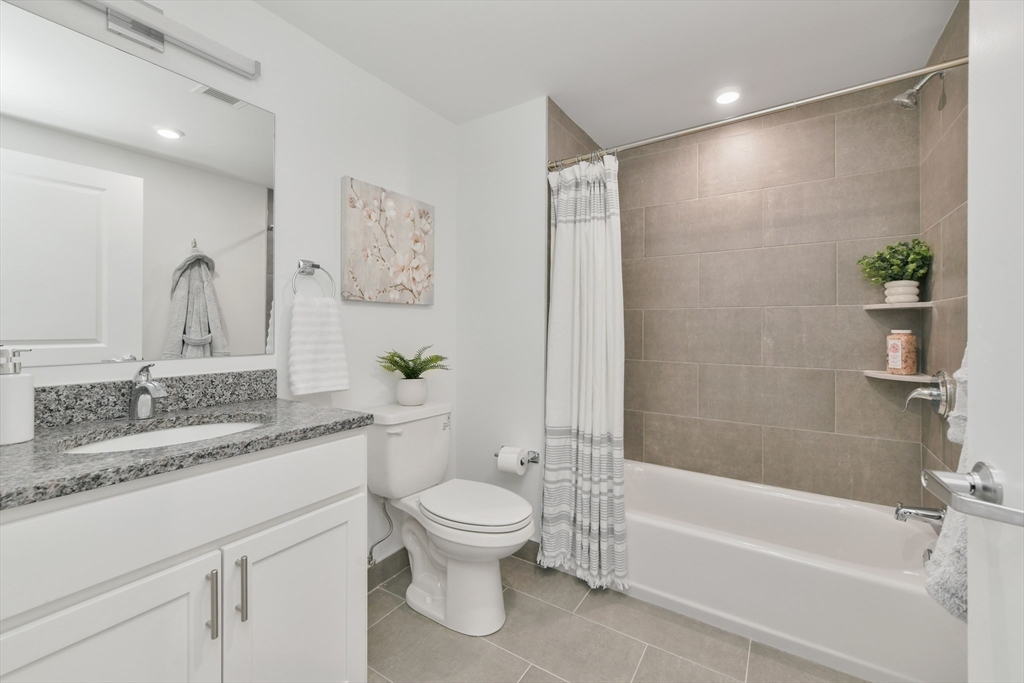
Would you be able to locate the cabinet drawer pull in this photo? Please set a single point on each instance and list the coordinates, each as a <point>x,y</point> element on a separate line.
<point>244,607</point>
<point>214,622</point>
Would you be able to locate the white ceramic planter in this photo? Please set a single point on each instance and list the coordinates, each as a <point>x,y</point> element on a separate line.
<point>902,292</point>
<point>412,392</point>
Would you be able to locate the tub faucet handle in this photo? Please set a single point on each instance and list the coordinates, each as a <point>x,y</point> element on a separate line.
<point>942,396</point>
<point>928,394</point>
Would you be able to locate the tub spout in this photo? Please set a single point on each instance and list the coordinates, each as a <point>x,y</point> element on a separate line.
<point>933,516</point>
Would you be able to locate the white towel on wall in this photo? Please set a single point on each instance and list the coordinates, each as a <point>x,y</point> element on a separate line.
<point>316,353</point>
<point>947,569</point>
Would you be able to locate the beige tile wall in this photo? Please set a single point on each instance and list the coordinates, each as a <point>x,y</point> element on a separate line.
<point>565,138</point>
<point>943,153</point>
<point>746,336</point>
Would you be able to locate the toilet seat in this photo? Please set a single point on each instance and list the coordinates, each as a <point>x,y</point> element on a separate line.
<point>475,506</point>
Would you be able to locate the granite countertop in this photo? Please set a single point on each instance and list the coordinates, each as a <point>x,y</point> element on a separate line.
<point>40,469</point>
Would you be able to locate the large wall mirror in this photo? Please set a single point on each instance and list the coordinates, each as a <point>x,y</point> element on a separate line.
<point>136,207</point>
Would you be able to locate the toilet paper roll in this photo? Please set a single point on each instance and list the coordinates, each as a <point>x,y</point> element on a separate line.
<point>512,460</point>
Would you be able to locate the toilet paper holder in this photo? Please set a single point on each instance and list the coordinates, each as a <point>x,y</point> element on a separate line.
<point>534,456</point>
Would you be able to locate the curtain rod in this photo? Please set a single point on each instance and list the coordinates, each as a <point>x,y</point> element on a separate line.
<point>770,110</point>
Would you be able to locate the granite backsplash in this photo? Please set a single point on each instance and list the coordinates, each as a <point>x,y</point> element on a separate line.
<point>72,403</point>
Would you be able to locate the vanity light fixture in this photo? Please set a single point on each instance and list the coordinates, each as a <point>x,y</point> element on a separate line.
<point>727,97</point>
<point>169,133</point>
<point>142,22</point>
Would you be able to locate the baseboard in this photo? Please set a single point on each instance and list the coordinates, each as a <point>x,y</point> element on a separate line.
<point>386,568</point>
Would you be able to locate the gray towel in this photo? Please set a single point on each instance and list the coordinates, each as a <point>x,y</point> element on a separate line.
<point>947,569</point>
<point>195,329</point>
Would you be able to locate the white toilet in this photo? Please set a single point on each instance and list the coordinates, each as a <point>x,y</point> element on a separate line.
<point>455,531</point>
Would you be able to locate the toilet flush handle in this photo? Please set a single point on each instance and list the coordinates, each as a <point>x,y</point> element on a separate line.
<point>397,431</point>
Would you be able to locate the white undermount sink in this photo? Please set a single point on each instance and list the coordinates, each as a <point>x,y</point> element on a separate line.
<point>165,437</point>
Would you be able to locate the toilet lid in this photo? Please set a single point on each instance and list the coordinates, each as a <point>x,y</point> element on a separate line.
<point>476,506</point>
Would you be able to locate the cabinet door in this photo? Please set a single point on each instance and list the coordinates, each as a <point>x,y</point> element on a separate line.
<point>152,630</point>
<point>306,606</point>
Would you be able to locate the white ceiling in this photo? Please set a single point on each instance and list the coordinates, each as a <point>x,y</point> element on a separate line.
<point>622,69</point>
<point>58,78</point>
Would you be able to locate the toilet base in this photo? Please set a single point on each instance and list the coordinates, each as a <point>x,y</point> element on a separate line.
<point>465,596</point>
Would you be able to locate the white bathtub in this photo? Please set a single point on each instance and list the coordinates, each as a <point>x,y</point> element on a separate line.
<point>835,581</point>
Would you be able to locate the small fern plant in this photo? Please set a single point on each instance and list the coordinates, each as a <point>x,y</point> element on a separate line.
<point>900,261</point>
<point>412,368</point>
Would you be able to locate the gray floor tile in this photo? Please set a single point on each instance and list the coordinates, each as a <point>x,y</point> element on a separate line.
<point>374,677</point>
<point>379,603</point>
<point>688,638</point>
<point>406,646</point>
<point>659,666</point>
<point>528,552</point>
<point>535,675</point>
<point>398,584</point>
<point>549,585</point>
<point>564,644</point>
<point>768,665</point>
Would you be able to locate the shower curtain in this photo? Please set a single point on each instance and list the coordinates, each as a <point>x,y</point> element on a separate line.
<point>583,525</point>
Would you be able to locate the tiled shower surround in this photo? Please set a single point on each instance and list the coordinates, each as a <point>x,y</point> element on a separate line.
<point>745,329</point>
<point>565,138</point>
<point>944,225</point>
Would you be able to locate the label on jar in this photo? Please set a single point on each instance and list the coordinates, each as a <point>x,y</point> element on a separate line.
<point>896,354</point>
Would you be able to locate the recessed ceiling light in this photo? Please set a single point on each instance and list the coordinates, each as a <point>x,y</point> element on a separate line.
<point>170,133</point>
<point>728,97</point>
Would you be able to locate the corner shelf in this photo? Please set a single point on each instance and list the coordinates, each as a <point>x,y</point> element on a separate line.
<point>919,379</point>
<point>886,307</point>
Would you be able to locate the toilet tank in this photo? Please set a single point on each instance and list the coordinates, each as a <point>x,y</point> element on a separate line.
<point>408,448</point>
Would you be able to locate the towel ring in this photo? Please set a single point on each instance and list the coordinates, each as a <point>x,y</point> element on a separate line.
<point>307,267</point>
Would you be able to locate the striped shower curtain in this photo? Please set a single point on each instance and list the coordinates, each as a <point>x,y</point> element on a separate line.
<point>584,521</point>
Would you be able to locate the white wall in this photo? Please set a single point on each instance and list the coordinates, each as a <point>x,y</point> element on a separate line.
<point>333,120</point>
<point>502,293</point>
<point>225,215</point>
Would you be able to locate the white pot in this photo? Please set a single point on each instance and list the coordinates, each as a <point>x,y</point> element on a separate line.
<point>902,292</point>
<point>412,392</point>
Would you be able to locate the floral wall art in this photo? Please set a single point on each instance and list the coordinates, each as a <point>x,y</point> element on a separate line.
<point>387,245</point>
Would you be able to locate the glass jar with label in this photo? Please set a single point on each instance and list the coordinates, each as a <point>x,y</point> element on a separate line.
<point>901,353</point>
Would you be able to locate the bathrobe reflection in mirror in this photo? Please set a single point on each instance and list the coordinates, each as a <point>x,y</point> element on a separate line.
<point>195,328</point>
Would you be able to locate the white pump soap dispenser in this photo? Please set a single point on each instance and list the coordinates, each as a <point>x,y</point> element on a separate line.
<point>17,399</point>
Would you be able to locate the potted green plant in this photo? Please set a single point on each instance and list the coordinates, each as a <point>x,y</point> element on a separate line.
<point>412,388</point>
<point>900,268</point>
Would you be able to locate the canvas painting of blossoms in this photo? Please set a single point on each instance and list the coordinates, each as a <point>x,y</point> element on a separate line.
<point>387,245</point>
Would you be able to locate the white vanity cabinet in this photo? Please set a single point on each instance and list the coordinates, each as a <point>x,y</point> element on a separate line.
<point>153,629</point>
<point>304,618</point>
<point>145,582</point>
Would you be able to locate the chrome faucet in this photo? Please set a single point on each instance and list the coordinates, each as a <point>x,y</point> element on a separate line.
<point>933,516</point>
<point>145,391</point>
<point>942,396</point>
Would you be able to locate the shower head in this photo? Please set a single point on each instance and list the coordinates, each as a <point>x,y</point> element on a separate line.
<point>909,99</point>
